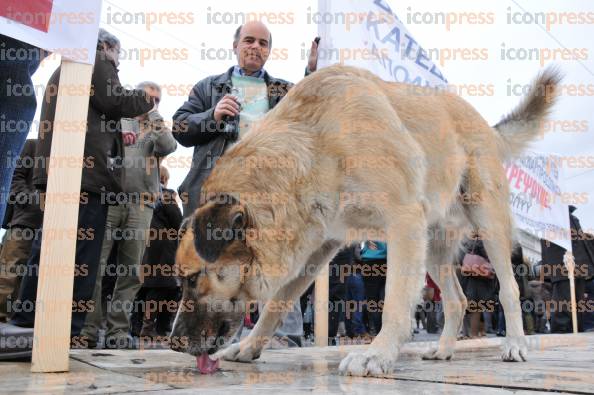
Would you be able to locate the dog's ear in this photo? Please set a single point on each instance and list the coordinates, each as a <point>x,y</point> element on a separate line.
<point>216,226</point>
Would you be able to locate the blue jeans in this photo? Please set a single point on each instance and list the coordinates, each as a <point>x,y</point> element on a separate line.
<point>355,291</point>
<point>18,62</point>
<point>500,320</point>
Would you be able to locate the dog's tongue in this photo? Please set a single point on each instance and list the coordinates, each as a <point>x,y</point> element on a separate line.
<point>206,365</point>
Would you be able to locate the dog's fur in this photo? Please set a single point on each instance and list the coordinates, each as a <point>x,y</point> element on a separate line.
<point>348,157</point>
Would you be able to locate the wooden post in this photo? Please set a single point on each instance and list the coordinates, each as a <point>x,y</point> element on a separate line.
<point>570,264</point>
<point>53,312</point>
<point>322,288</point>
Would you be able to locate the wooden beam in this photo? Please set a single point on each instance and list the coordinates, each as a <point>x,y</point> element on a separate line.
<point>53,312</point>
<point>570,264</point>
<point>322,289</point>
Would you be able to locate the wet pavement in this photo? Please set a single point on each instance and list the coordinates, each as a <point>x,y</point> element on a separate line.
<point>557,363</point>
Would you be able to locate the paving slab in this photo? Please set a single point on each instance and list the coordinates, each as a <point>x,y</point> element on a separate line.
<point>557,364</point>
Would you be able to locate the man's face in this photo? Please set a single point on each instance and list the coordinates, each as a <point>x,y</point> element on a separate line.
<point>112,53</point>
<point>253,47</point>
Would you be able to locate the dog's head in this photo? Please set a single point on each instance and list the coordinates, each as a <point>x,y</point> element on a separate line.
<point>211,260</point>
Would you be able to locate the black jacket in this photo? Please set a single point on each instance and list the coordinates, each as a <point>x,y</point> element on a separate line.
<point>108,103</point>
<point>582,250</point>
<point>26,210</point>
<point>195,126</point>
<point>160,253</point>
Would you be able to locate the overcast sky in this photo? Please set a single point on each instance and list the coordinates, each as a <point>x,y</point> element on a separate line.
<point>197,42</point>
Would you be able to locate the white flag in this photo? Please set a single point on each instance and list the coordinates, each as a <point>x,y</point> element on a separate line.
<point>367,34</point>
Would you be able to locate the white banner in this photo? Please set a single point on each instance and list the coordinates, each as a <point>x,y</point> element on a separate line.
<point>536,199</point>
<point>67,27</point>
<point>367,34</point>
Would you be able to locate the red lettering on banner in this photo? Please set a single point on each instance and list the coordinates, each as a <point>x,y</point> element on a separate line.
<point>522,181</point>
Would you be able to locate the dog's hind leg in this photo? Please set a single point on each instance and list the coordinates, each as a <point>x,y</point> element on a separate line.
<point>406,237</point>
<point>440,266</point>
<point>491,216</point>
<point>251,346</point>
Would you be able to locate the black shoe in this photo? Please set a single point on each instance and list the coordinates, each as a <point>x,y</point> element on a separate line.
<point>15,342</point>
<point>82,342</point>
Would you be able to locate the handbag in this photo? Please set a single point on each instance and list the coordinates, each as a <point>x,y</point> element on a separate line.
<point>477,266</point>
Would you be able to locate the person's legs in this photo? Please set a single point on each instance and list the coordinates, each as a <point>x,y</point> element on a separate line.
<point>355,295</point>
<point>430,316</point>
<point>137,316</point>
<point>130,252</point>
<point>16,247</point>
<point>500,321</point>
<point>91,218</point>
<point>372,291</point>
<point>336,306</point>
<point>380,302</point>
<point>94,317</point>
<point>152,297</point>
<point>589,315</point>
<point>17,101</point>
<point>24,311</point>
<point>164,315</point>
<point>466,324</point>
<point>475,320</point>
<point>488,318</point>
<point>561,315</point>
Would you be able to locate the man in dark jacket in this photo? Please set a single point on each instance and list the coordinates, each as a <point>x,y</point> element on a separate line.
<point>206,121</point>
<point>108,102</point>
<point>555,270</point>
<point>159,283</point>
<point>22,228</point>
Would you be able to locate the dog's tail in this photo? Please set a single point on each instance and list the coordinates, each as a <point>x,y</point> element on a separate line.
<point>524,123</point>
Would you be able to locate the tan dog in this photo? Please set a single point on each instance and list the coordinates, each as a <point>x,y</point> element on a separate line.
<point>347,157</point>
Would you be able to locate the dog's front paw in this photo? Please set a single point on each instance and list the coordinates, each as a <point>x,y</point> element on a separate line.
<point>514,349</point>
<point>440,353</point>
<point>244,351</point>
<point>372,362</point>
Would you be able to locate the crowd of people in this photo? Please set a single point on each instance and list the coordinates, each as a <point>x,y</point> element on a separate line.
<point>128,219</point>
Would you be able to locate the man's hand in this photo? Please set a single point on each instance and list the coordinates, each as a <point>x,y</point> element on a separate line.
<point>129,138</point>
<point>312,62</point>
<point>227,106</point>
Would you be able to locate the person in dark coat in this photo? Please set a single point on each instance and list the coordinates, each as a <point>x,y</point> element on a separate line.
<point>22,226</point>
<point>159,285</point>
<point>101,174</point>
<point>479,287</point>
<point>554,268</point>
